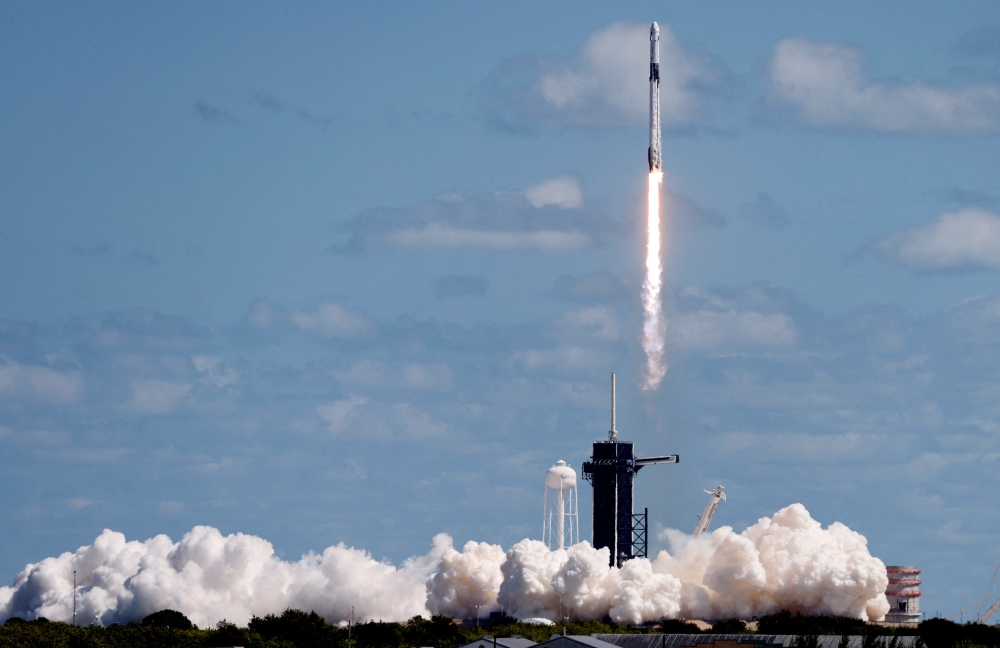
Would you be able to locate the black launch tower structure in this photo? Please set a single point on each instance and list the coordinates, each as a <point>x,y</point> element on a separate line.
<point>611,471</point>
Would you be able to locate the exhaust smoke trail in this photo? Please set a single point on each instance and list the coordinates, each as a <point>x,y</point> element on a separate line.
<point>654,326</point>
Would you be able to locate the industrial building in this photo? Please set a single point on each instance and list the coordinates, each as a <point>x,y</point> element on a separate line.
<point>903,595</point>
<point>735,640</point>
<point>575,641</point>
<point>500,642</point>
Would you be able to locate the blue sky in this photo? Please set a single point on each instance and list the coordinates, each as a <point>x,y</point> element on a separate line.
<point>359,273</point>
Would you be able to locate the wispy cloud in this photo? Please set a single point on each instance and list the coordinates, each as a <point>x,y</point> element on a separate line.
<point>415,376</point>
<point>605,84</point>
<point>713,330</point>
<point>211,113</point>
<point>685,213</point>
<point>331,320</point>
<point>563,191</point>
<point>965,239</point>
<point>764,212</point>
<point>435,236</point>
<point>312,118</point>
<point>598,286</point>
<point>751,320</point>
<point>824,84</point>
<point>459,286</point>
<point>380,421</point>
<point>268,101</point>
<point>158,396</point>
<point>982,41</point>
<point>38,383</point>
<point>548,217</point>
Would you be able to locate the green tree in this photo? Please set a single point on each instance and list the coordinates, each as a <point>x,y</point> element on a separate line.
<point>729,626</point>
<point>378,634</point>
<point>168,619</point>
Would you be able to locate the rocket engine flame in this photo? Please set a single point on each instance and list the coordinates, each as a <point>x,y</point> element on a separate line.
<point>654,326</point>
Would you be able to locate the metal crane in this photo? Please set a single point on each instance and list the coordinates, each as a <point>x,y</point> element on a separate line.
<point>991,601</point>
<point>706,516</point>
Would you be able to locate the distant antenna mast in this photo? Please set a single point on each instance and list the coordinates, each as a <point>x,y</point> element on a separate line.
<point>613,434</point>
<point>706,516</point>
<point>74,597</point>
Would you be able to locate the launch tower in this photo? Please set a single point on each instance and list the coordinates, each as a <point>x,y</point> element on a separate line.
<point>611,471</point>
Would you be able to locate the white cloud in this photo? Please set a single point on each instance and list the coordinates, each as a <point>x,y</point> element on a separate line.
<point>37,383</point>
<point>78,503</point>
<point>826,83</point>
<point>562,358</point>
<point>597,322</point>
<point>549,217</point>
<point>416,376</point>
<point>336,413</point>
<point>379,421</point>
<point>170,507</point>
<point>216,370</point>
<point>797,446</point>
<point>607,83</point>
<point>563,191</point>
<point>968,238</point>
<point>708,330</point>
<point>331,320</point>
<point>438,236</point>
<point>158,396</point>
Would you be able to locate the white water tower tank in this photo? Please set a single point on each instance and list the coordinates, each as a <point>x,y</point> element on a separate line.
<point>561,521</point>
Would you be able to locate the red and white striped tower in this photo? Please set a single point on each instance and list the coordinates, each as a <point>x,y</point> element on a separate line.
<point>904,595</point>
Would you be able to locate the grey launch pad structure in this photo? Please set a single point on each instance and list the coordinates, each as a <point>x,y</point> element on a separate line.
<point>611,471</point>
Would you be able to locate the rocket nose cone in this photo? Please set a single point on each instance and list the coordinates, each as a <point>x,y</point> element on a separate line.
<point>654,30</point>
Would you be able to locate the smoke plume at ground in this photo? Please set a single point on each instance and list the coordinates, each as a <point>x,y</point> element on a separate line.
<point>787,561</point>
<point>210,577</point>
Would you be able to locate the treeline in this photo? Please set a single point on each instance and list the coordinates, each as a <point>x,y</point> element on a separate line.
<point>297,629</point>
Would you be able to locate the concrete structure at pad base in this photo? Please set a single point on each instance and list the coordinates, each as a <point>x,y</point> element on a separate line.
<point>903,595</point>
<point>500,642</point>
<point>738,641</point>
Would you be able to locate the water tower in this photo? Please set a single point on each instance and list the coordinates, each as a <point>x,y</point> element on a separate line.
<point>561,524</point>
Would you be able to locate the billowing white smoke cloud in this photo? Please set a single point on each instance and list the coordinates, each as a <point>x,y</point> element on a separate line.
<point>787,561</point>
<point>210,577</point>
<point>466,580</point>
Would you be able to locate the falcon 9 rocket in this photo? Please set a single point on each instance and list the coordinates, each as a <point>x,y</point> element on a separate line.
<point>654,99</point>
<point>654,326</point>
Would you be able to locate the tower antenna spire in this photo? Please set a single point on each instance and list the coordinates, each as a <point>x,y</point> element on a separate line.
<point>613,434</point>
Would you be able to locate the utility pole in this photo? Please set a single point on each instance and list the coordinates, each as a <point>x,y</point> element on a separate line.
<point>74,598</point>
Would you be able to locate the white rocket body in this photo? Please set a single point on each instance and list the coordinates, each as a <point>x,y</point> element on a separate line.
<point>655,156</point>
